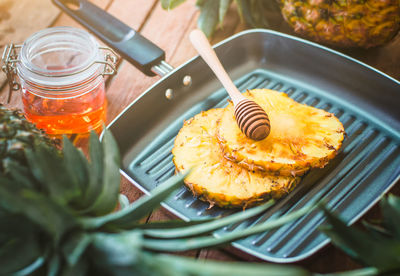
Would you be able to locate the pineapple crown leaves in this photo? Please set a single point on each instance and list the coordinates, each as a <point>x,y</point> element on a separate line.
<point>212,12</point>
<point>378,247</point>
<point>60,222</point>
<point>16,133</point>
<point>58,217</point>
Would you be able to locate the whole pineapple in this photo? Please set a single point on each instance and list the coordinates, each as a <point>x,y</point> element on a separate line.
<point>344,23</point>
<point>16,134</point>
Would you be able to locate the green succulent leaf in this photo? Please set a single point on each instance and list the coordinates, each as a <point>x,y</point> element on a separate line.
<point>54,265</point>
<point>116,249</point>
<point>256,13</point>
<point>76,166</point>
<point>223,9</point>
<point>368,271</point>
<point>381,253</point>
<point>376,231</point>
<point>79,269</point>
<point>49,170</point>
<point>107,199</point>
<point>95,183</point>
<point>200,2</point>
<point>31,269</point>
<point>209,16</point>
<point>123,201</point>
<point>127,217</point>
<point>204,228</point>
<point>17,241</point>
<point>391,212</point>
<point>170,4</point>
<point>174,265</point>
<point>242,9</point>
<point>21,175</point>
<point>52,217</point>
<point>209,241</point>
<point>75,246</point>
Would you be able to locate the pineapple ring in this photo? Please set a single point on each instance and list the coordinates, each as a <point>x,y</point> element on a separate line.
<point>301,137</point>
<point>216,179</point>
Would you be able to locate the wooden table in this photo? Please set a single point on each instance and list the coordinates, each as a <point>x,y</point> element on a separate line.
<point>169,30</point>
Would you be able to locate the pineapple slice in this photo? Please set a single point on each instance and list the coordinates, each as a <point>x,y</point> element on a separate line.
<point>301,137</point>
<point>216,179</point>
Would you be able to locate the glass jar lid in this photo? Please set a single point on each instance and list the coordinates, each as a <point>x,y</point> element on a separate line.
<point>59,56</point>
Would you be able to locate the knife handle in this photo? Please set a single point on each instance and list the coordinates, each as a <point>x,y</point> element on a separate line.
<point>132,46</point>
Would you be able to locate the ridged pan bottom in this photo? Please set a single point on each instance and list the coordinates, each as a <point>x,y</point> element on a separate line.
<point>366,166</point>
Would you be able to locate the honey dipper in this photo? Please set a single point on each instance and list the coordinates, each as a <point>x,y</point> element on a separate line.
<point>252,120</point>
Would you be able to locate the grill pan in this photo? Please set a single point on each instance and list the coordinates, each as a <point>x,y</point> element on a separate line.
<point>365,100</point>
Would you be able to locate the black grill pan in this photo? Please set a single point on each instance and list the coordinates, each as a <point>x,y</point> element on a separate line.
<point>365,100</point>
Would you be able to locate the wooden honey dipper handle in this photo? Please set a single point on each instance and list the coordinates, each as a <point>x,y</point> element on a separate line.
<point>251,118</point>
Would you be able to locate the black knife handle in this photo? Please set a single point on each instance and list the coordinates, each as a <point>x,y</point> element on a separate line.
<point>133,47</point>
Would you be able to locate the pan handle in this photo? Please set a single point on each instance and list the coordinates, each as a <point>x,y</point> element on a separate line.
<point>132,46</point>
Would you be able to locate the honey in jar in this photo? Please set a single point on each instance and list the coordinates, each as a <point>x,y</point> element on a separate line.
<point>61,72</point>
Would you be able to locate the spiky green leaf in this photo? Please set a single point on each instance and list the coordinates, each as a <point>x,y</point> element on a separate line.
<point>54,265</point>
<point>47,166</point>
<point>123,201</point>
<point>125,218</point>
<point>171,4</point>
<point>368,271</point>
<point>174,265</point>
<point>116,249</point>
<point>209,241</point>
<point>205,228</point>
<point>391,212</point>
<point>107,199</point>
<point>381,253</point>
<point>209,17</point>
<point>223,9</point>
<point>52,217</point>
<point>76,166</point>
<point>19,245</point>
<point>94,187</point>
<point>79,269</point>
<point>21,175</point>
<point>376,231</point>
<point>75,246</point>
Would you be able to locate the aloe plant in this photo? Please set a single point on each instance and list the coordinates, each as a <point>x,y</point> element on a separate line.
<point>377,248</point>
<point>59,218</point>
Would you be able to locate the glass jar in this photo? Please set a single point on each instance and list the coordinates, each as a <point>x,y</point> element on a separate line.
<point>61,75</point>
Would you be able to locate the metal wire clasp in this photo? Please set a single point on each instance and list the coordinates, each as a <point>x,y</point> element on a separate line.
<point>10,59</point>
<point>110,61</point>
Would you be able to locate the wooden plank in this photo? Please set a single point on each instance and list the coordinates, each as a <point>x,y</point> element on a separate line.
<point>133,13</point>
<point>47,15</point>
<point>65,20</point>
<point>167,34</point>
<point>131,192</point>
<point>185,50</point>
<point>119,93</point>
<point>20,19</point>
<point>217,255</point>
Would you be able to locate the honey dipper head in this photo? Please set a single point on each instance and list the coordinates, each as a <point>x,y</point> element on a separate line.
<point>252,120</point>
